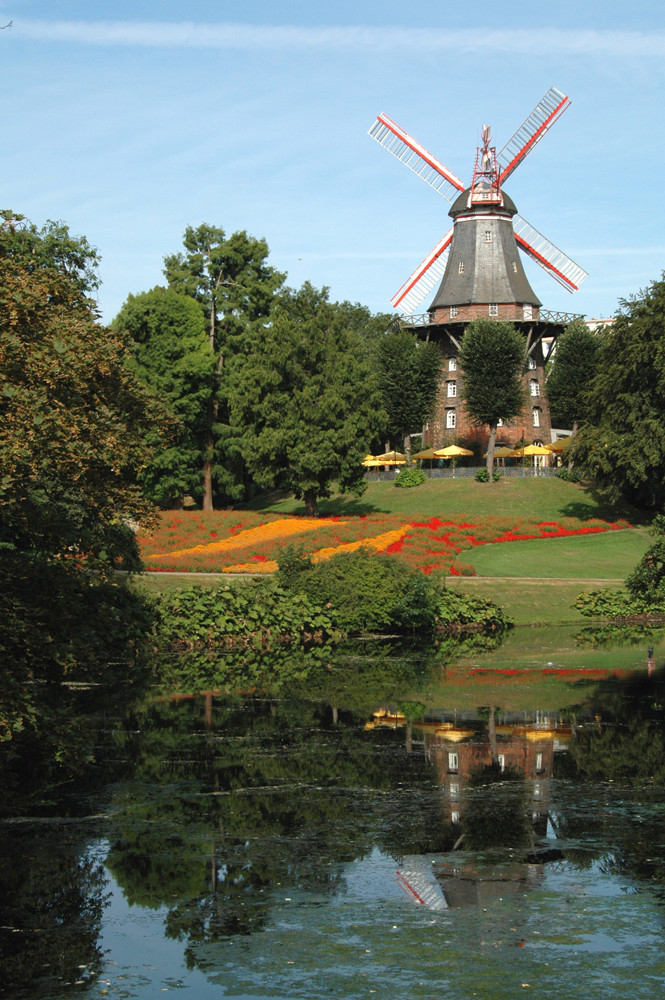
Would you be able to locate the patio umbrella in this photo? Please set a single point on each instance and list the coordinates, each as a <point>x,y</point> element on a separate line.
<point>452,451</point>
<point>392,458</point>
<point>371,462</point>
<point>502,452</point>
<point>532,449</point>
<point>427,453</point>
<point>558,446</point>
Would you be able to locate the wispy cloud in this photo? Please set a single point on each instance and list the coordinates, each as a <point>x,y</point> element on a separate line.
<point>283,38</point>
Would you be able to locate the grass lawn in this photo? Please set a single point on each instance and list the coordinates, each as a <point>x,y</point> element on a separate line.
<point>546,499</point>
<point>606,556</point>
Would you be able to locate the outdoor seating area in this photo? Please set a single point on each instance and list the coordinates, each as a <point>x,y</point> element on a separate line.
<point>440,463</point>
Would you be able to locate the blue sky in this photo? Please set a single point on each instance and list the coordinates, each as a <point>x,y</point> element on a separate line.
<point>130,121</point>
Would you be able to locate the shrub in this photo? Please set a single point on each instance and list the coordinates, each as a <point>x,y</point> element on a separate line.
<point>408,478</point>
<point>482,476</point>
<point>571,476</point>
<point>293,560</point>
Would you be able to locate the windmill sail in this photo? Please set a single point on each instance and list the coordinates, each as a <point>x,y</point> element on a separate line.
<point>548,110</point>
<point>562,268</point>
<point>426,276</point>
<point>398,142</point>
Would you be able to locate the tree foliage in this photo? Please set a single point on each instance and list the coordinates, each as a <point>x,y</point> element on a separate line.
<point>492,355</point>
<point>622,447</point>
<point>572,370</point>
<point>235,287</point>
<point>306,399</point>
<point>408,373</point>
<point>73,422</point>
<point>171,355</point>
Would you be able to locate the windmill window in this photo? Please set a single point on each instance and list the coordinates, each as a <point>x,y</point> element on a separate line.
<point>451,418</point>
<point>453,312</point>
<point>488,236</point>
<point>452,388</point>
<point>515,266</point>
<point>531,362</point>
<point>534,385</point>
<point>453,762</point>
<point>528,312</point>
<point>452,364</point>
<point>494,309</point>
<point>460,269</point>
<point>536,416</point>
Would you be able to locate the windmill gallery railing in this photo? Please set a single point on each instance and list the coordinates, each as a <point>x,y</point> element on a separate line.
<point>546,316</point>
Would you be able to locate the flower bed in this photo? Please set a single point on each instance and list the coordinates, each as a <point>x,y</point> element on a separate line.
<point>249,542</point>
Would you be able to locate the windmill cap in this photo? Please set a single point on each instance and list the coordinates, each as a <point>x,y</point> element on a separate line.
<point>463,204</point>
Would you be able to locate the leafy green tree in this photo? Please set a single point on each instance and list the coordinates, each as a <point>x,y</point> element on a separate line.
<point>408,372</point>
<point>235,287</point>
<point>492,355</point>
<point>306,399</point>
<point>573,368</point>
<point>170,353</point>
<point>73,422</point>
<point>622,446</point>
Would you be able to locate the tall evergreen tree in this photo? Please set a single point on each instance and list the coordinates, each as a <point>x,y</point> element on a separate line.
<point>170,353</point>
<point>492,354</point>
<point>572,371</point>
<point>306,398</point>
<point>622,445</point>
<point>235,287</point>
<point>408,373</point>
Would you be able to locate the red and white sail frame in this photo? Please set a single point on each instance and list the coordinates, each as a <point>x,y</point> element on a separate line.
<point>398,142</point>
<point>425,277</point>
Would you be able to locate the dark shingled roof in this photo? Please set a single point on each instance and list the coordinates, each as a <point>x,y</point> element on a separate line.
<point>484,264</point>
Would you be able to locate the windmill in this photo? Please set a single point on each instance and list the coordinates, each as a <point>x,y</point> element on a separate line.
<point>476,263</point>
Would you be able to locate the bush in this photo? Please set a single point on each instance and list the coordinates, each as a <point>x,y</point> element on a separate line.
<point>293,560</point>
<point>482,476</point>
<point>571,476</point>
<point>410,477</point>
<point>365,592</point>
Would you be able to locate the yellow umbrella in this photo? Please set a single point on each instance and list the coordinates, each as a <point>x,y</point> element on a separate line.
<point>558,446</point>
<point>451,451</point>
<point>535,449</point>
<point>502,452</point>
<point>371,463</point>
<point>427,453</point>
<point>392,458</point>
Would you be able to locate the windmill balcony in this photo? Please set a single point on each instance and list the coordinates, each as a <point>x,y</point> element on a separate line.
<point>509,312</point>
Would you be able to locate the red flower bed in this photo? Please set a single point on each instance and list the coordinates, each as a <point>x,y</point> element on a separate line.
<point>428,545</point>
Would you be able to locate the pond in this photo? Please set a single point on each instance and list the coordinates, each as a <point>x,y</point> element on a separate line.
<point>476,829</point>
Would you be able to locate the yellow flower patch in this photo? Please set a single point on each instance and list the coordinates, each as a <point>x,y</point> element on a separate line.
<point>282,528</point>
<point>379,543</point>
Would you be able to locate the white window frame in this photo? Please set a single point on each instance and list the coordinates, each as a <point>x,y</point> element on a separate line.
<point>539,762</point>
<point>451,385</point>
<point>451,419</point>
<point>535,416</point>
<point>501,761</point>
<point>494,309</point>
<point>527,310</point>
<point>534,385</point>
<point>453,762</point>
<point>452,364</point>
<point>453,312</point>
<point>460,269</point>
<point>532,363</point>
<point>488,236</point>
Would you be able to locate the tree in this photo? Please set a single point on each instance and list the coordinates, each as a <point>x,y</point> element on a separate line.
<point>170,353</point>
<point>408,372</point>
<point>622,446</point>
<point>492,355</point>
<point>572,370</point>
<point>73,422</point>
<point>235,288</point>
<point>306,399</point>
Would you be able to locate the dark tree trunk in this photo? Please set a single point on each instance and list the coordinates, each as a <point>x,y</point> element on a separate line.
<point>490,453</point>
<point>311,505</point>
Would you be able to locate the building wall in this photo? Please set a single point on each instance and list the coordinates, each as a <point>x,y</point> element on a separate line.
<point>451,423</point>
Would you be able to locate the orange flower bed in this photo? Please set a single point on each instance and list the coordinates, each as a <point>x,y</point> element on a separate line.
<point>249,542</point>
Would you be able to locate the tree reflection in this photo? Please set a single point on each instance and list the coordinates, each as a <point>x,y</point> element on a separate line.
<point>51,906</point>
